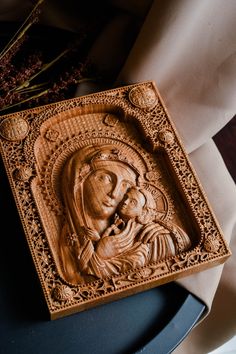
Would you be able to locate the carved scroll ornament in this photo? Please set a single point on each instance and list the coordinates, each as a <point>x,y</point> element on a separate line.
<point>108,198</point>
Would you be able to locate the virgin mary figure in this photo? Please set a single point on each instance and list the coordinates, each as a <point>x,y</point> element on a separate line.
<point>94,182</point>
<point>97,181</point>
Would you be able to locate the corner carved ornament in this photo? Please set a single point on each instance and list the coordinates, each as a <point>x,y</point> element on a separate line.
<point>109,201</point>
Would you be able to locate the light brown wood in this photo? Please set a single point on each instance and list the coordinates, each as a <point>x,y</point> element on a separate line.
<point>108,199</point>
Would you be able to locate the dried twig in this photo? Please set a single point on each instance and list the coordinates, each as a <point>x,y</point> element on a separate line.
<point>22,68</point>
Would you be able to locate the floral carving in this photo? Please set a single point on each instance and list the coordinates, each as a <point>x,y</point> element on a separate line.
<point>22,173</point>
<point>62,293</point>
<point>143,273</point>
<point>110,120</point>
<point>143,97</point>
<point>14,128</point>
<point>52,135</point>
<point>167,137</point>
<point>211,244</point>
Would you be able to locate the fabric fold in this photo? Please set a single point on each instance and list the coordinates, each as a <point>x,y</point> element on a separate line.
<point>188,48</point>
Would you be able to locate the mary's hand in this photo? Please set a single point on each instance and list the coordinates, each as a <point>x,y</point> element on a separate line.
<point>151,231</point>
<point>111,246</point>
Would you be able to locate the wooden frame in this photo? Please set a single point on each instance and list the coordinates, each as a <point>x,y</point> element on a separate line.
<point>82,258</point>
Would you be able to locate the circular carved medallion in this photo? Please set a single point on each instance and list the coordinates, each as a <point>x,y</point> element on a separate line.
<point>22,174</point>
<point>62,293</point>
<point>143,97</point>
<point>167,137</point>
<point>211,244</point>
<point>13,129</point>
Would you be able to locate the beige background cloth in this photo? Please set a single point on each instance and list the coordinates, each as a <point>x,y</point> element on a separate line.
<point>188,48</point>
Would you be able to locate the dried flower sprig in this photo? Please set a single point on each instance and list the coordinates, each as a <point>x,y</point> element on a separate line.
<point>29,77</point>
<point>16,41</point>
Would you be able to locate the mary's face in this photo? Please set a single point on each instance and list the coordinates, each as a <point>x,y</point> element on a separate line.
<point>105,188</point>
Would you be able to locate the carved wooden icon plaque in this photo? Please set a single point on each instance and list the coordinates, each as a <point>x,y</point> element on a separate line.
<point>109,201</point>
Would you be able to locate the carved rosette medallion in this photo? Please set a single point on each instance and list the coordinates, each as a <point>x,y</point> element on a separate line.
<point>211,244</point>
<point>166,137</point>
<point>143,97</point>
<point>22,173</point>
<point>62,293</point>
<point>14,128</point>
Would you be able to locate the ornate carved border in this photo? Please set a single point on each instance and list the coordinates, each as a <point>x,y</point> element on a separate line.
<point>140,103</point>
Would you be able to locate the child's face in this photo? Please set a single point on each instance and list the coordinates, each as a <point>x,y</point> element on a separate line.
<point>132,205</point>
